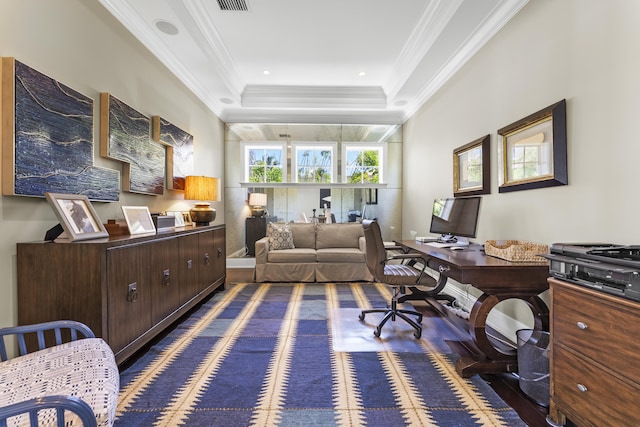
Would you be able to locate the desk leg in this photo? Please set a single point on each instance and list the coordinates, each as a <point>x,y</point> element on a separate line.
<point>493,360</point>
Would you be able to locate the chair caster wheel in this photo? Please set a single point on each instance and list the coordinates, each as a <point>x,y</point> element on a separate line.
<point>361,316</point>
<point>377,333</point>
<point>417,334</point>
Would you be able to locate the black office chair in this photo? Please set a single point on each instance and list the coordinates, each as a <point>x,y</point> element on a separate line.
<point>399,276</point>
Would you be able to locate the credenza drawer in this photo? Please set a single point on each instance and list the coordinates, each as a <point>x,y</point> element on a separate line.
<point>592,393</point>
<point>598,327</point>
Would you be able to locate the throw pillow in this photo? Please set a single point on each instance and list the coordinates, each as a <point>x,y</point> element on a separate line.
<point>280,236</point>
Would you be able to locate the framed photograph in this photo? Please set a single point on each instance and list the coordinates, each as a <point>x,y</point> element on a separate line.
<point>138,219</point>
<point>179,218</point>
<point>471,170</point>
<point>186,216</point>
<point>534,150</point>
<point>371,196</point>
<point>77,217</point>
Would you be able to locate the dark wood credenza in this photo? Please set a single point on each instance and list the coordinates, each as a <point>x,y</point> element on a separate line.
<point>595,357</point>
<point>127,289</point>
<point>499,280</point>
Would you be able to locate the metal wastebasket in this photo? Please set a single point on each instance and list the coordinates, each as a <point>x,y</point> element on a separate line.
<point>533,364</point>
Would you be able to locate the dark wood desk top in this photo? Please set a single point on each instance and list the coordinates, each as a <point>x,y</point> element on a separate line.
<point>491,275</point>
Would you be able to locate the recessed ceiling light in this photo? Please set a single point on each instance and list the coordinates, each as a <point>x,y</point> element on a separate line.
<point>166,27</point>
<point>266,72</point>
<point>362,73</point>
<point>226,101</point>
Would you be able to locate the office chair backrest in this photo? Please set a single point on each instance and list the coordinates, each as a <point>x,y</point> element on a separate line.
<point>376,254</point>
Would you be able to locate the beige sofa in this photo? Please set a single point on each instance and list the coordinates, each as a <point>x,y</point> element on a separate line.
<point>321,253</point>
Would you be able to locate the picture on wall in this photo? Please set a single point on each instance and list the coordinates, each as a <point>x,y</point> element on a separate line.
<point>47,142</point>
<point>125,136</point>
<point>471,168</point>
<point>179,151</point>
<point>534,150</point>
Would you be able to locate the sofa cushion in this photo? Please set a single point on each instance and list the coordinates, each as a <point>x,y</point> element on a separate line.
<point>292,255</point>
<point>304,235</point>
<point>349,255</point>
<point>344,235</point>
<point>280,236</point>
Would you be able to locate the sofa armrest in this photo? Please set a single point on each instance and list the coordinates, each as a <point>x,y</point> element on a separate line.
<point>362,244</point>
<point>39,330</point>
<point>60,404</point>
<point>262,248</point>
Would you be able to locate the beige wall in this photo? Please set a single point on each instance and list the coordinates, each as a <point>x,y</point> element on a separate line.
<point>78,43</point>
<point>583,50</point>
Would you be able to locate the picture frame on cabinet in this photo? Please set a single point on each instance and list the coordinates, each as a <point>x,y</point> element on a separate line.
<point>138,219</point>
<point>533,152</point>
<point>471,168</point>
<point>179,218</point>
<point>186,216</point>
<point>77,216</point>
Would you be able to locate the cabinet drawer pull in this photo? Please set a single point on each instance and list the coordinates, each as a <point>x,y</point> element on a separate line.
<point>206,258</point>
<point>582,388</point>
<point>166,277</point>
<point>581,325</point>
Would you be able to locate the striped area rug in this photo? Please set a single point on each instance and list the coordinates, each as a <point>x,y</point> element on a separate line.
<point>262,355</point>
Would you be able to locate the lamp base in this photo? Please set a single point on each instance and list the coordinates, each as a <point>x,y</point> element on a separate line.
<point>257,211</point>
<point>202,214</point>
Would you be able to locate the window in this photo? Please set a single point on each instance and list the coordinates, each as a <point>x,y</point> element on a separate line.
<point>265,162</point>
<point>314,162</point>
<point>363,163</point>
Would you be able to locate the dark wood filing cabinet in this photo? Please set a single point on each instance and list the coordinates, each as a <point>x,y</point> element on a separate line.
<point>255,229</point>
<point>595,357</point>
<point>127,289</point>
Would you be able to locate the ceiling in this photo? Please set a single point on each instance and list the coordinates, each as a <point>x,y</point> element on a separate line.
<point>328,61</point>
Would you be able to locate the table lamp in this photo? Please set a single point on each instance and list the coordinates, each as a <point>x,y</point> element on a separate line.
<point>257,201</point>
<point>202,188</point>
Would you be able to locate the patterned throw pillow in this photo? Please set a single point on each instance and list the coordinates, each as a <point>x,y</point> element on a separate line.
<point>280,236</point>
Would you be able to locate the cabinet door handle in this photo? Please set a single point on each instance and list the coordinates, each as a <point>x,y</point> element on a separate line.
<point>582,325</point>
<point>582,388</point>
<point>132,293</point>
<point>219,252</point>
<point>206,258</point>
<point>443,268</point>
<point>166,277</point>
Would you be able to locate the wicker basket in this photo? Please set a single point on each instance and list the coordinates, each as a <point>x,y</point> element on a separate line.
<point>516,250</point>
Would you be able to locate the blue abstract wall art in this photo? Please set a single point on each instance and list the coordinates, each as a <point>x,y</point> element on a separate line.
<point>48,142</point>
<point>179,151</point>
<point>125,136</point>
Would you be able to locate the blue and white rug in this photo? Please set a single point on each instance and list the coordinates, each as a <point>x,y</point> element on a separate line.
<point>263,355</point>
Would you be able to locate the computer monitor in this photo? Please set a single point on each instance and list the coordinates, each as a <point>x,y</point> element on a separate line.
<point>455,219</point>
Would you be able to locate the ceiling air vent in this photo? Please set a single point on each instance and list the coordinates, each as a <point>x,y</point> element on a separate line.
<point>233,5</point>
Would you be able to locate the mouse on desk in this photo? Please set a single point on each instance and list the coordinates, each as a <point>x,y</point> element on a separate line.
<point>456,248</point>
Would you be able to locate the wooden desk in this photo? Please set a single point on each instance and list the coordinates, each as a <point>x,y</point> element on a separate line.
<point>499,280</point>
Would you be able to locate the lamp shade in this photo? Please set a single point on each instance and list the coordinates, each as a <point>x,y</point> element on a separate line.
<point>257,199</point>
<point>200,188</point>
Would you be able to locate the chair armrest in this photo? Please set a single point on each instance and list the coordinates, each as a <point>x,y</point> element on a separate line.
<point>262,248</point>
<point>410,256</point>
<point>362,244</point>
<point>39,330</point>
<point>60,404</point>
